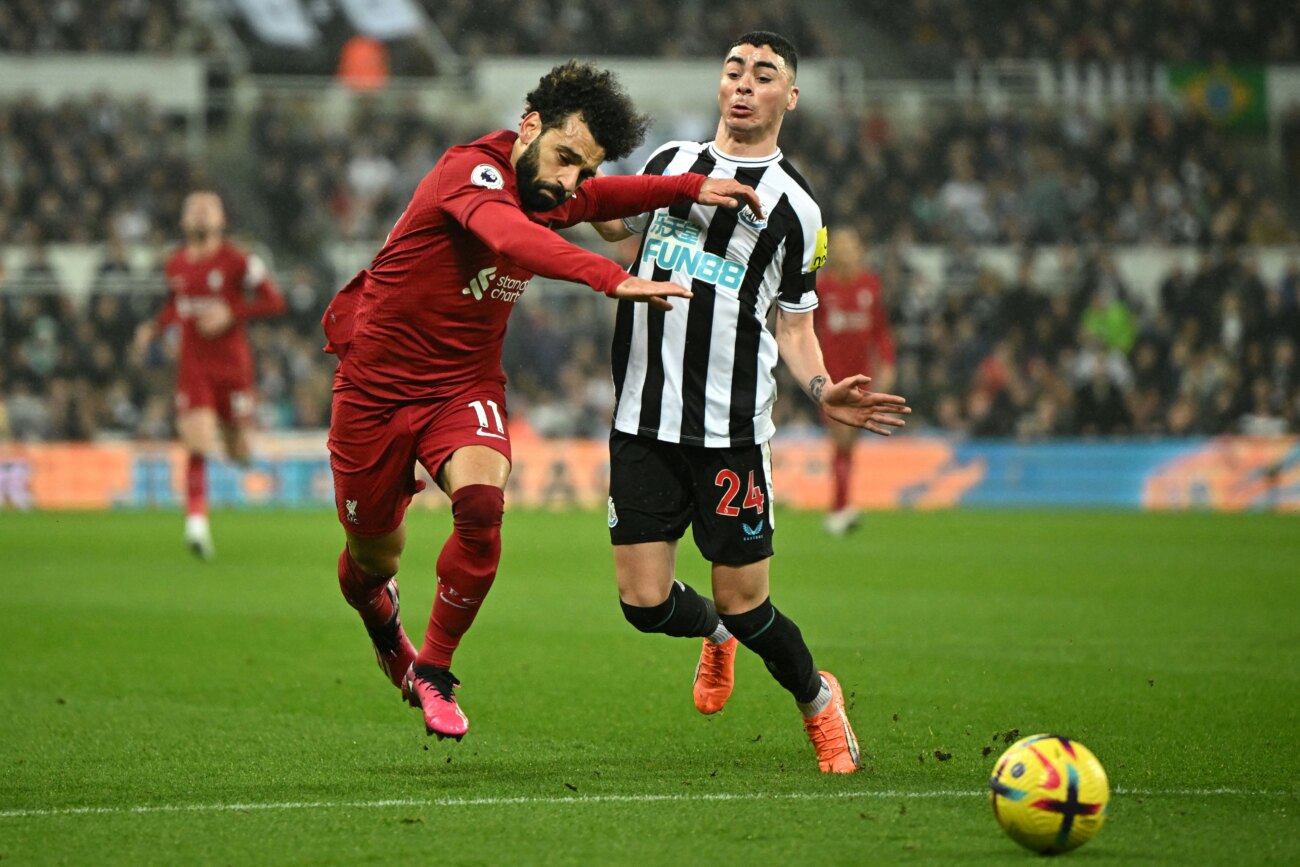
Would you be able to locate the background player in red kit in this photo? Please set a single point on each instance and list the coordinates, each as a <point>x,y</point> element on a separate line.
<point>213,289</point>
<point>419,337</point>
<point>853,327</point>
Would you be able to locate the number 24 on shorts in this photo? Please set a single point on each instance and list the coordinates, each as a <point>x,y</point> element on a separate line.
<point>731,483</point>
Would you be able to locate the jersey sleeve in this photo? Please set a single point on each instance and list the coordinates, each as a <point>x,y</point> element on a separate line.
<point>805,253</point>
<point>509,233</point>
<point>265,299</point>
<point>609,198</point>
<point>467,179</point>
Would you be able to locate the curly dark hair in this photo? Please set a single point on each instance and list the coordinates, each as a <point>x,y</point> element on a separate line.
<point>595,95</point>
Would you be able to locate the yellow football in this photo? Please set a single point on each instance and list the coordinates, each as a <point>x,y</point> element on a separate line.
<point>1049,793</point>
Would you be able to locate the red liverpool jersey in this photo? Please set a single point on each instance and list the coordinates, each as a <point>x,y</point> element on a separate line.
<point>852,324</point>
<point>229,275</point>
<point>428,318</point>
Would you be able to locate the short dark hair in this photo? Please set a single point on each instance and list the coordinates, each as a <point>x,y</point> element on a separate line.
<point>783,47</point>
<point>595,94</point>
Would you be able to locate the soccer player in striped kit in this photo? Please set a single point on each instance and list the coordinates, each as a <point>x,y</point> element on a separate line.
<point>695,390</point>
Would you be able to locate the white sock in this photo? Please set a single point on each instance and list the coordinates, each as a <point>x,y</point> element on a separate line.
<point>817,705</point>
<point>720,634</point>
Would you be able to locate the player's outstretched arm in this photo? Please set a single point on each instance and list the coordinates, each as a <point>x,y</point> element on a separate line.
<point>847,401</point>
<point>609,198</point>
<point>509,233</point>
<point>654,294</point>
<point>719,192</point>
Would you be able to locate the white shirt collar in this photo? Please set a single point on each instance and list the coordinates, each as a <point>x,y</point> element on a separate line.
<point>773,157</point>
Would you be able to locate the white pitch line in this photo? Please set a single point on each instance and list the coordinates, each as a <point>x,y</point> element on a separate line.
<point>574,799</point>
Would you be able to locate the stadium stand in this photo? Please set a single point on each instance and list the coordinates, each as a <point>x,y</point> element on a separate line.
<point>674,28</point>
<point>937,32</point>
<point>31,26</point>
<point>127,167</point>
<point>1026,351</point>
<point>1148,175</point>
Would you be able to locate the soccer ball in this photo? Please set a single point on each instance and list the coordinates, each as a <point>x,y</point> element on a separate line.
<point>1049,793</point>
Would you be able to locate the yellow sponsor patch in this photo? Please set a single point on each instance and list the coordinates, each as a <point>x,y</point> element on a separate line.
<point>819,254</point>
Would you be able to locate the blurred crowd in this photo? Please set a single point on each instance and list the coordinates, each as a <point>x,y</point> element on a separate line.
<point>1215,352</point>
<point>72,372</point>
<point>937,32</point>
<point>1137,176</point>
<point>316,185</point>
<point>668,28</point>
<point>153,26</point>
<point>557,28</point>
<point>978,354</point>
<point>124,170</point>
<point>1145,175</point>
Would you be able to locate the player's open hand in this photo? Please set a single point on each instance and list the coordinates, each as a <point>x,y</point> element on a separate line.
<point>848,401</point>
<point>730,193</point>
<point>652,293</point>
<point>215,318</point>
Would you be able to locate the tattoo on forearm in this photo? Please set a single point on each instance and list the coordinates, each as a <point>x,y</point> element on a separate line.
<point>816,386</point>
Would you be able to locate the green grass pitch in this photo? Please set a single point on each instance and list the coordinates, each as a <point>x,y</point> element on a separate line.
<point>161,710</point>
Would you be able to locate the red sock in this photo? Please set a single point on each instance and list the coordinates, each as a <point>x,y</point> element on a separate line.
<point>363,591</point>
<point>196,485</point>
<point>841,468</point>
<point>466,568</point>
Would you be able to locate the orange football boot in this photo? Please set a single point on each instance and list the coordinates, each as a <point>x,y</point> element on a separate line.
<point>715,675</point>
<point>831,735</point>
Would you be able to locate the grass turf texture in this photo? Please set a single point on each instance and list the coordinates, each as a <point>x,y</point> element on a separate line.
<point>134,676</point>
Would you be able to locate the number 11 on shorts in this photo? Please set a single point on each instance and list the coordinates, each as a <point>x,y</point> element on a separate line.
<point>481,412</point>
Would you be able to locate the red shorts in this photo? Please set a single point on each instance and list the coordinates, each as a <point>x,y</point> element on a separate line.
<point>232,399</point>
<point>374,445</point>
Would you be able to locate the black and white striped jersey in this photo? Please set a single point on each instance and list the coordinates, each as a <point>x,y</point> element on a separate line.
<point>703,373</point>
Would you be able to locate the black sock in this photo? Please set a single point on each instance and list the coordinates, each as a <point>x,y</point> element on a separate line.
<point>684,614</point>
<point>780,645</point>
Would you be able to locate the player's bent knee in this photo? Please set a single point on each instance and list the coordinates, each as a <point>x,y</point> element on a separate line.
<point>478,505</point>
<point>379,557</point>
<point>643,595</point>
<point>646,618</point>
<point>477,511</point>
<point>377,563</point>
<point>683,614</point>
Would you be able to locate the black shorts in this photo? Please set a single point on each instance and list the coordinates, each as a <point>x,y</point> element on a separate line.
<point>657,489</point>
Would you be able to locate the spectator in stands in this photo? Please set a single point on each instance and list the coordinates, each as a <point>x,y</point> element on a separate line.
<point>1107,31</point>
<point>1058,176</point>
<point>28,26</point>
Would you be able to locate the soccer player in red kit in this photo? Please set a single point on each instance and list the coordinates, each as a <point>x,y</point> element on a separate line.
<point>213,289</point>
<point>419,338</point>
<point>853,327</point>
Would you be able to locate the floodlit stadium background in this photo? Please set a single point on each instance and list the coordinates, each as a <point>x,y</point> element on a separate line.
<point>1084,215</point>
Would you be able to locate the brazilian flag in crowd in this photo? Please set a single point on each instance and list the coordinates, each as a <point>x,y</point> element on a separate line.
<point>1231,96</point>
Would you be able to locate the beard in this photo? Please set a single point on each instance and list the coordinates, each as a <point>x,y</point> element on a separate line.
<point>535,194</point>
<point>199,234</point>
